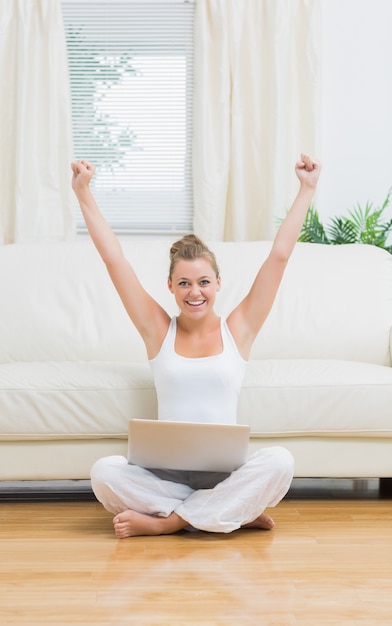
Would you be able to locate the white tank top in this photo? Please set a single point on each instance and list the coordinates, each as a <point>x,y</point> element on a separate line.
<point>204,389</point>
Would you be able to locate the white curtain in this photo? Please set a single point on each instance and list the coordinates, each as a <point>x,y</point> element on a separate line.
<point>35,123</point>
<point>256,108</point>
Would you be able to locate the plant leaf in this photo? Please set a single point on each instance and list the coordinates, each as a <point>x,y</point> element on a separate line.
<point>312,229</point>
<point>343,231</point>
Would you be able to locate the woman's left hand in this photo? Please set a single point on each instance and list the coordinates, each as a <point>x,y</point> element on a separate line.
<point>308,170</point>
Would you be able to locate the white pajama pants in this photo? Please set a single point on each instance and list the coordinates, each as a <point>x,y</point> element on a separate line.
<point>213,502</point>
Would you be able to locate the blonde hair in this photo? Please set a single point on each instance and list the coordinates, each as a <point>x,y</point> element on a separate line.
<point>189,248</point>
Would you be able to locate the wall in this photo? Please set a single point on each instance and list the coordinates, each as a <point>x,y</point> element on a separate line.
<point>356,133</point>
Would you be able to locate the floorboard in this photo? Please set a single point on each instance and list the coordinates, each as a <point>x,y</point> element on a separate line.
<point>327,561</point>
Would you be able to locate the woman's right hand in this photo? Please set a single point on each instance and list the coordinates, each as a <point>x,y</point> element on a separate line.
<point>82,173</point>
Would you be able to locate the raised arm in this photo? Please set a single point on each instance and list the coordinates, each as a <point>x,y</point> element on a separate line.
<point>248,317</point>
<point>147,315</point>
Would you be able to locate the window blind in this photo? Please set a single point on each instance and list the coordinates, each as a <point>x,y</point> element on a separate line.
<point>131,75</point>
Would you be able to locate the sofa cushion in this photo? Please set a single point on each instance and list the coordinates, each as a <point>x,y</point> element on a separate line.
<point>73,400</point>
<point>58,303</point>
<point>317,397</point>
<point>334,302</point>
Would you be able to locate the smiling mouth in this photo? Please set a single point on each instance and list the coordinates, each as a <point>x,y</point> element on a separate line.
<point>195,304</point>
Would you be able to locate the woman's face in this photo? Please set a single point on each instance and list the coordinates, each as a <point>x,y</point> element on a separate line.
<point>194,286</point>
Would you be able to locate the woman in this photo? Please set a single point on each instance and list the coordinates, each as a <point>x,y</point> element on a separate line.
<point>151,502</point>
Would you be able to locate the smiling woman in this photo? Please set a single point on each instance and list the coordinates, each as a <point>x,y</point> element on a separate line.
<point>193,278</point>
<point>198,362</point>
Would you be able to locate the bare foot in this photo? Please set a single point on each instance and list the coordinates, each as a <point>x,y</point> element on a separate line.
<point>133,524</point>
<point>264,521</point>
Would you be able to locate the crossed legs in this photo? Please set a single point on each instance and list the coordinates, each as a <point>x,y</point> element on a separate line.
<point>146,504</point>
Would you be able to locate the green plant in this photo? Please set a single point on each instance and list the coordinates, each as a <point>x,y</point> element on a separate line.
<point>363,225</point>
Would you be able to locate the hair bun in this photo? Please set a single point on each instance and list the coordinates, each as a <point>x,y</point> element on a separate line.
<point>186,241</point>
<point>189,248</point>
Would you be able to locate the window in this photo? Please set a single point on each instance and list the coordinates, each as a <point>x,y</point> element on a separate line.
<point>131,74</point>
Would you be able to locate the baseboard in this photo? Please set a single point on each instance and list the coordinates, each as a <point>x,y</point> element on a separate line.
<point>41,490</point>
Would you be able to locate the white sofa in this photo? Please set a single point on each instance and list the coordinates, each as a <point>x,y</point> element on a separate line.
<point>73,370</point>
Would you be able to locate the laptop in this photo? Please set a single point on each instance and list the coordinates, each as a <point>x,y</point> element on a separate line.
<point>161,444</point>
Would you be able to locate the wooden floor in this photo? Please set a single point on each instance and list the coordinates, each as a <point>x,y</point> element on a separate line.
<point>327,561</point>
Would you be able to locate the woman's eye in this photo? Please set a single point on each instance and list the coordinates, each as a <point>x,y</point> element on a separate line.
<point>205,282</point>
<point>183,283</point>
